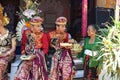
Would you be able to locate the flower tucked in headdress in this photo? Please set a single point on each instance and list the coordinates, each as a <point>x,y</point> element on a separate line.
<point>27,17</point>
<point>61,21</point>
<point>29,11</point>
<point>36,20</point>
<point>1,11</point>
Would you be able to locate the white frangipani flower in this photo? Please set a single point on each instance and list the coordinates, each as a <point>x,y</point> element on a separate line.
<point>29,13</point>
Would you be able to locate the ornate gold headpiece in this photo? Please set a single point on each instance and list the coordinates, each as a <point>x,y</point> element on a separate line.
<point>61,21</point>
<point>1,12</point>
<point>36,20</point>
<point>4,17</point>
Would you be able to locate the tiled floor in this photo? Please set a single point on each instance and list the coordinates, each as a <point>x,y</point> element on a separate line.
<point>79,74</point>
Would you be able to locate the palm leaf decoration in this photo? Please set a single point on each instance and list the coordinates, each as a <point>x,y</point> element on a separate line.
<point>19,29</point>
<point>109,54</point>
<point>25,16</point>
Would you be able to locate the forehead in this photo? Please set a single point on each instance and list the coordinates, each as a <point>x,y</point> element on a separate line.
<point>90,27</point>
<point>35,25</point>
<point>61,25</point>
<point>0,21</point>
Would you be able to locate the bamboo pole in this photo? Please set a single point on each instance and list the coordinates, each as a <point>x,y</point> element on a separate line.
<point>117,10</point>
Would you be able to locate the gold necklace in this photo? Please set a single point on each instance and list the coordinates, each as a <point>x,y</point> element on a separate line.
<point>2,37</point>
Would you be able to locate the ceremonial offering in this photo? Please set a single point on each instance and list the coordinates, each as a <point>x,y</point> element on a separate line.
<point>65,44</point>
<point>76,48</point>
<point>25,57</point>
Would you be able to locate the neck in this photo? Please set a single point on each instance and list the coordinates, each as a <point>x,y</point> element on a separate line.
<point>37,32</point>
<point>92,37</point>
<point>59,32</point>
<point>2,30</point>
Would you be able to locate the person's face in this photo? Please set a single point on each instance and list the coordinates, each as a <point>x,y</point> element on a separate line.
<point>36,28</point>
<point>61,28</point>
<point>91,31</point>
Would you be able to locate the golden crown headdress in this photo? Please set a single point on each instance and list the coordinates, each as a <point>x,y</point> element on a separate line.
<point>61,21</point>
<point>4,17</point>
<point>1,11</point>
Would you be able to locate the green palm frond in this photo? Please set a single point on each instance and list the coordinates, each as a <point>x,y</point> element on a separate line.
<point>109,54</point>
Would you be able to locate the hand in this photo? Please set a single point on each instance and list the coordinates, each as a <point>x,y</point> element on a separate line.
<point>32,57</point>
<point>72,41</point>
<point>23,52</point>
<point>3,54</point>
<point>69,47</point>
<point>56,47</point>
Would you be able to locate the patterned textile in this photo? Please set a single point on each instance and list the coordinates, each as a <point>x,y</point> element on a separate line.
<point>90,73</point>
<point>35,69</point>
<point>61,68</point>
<point>61,37</point>
<point>5,46</point>
<point>61,65</point>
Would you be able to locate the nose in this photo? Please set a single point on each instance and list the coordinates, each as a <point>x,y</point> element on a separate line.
<point>65,28</point>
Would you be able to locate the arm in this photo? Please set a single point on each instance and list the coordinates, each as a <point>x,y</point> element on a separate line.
<point>49,40</point>
<point>12,50</point>
<point>23,41</point>
<point>45,43</point>
<point>67,37</point>
<point>81,54</point>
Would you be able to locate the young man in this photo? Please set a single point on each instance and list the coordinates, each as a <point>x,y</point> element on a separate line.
<point>35,44</point>
<point>61,68</point>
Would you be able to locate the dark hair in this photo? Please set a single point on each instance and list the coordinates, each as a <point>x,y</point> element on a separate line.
<point>94,27</point>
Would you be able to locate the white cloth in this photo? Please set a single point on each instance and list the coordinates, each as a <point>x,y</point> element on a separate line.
<point>90,53</point>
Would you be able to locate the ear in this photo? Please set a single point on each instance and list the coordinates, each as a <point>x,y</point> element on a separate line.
<point>95,31</point>
<point>32,28</point>
<point>57,27</point>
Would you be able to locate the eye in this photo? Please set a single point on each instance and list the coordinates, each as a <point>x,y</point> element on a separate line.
<point>57,25</point>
